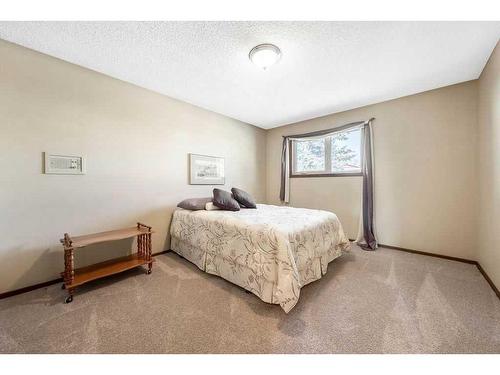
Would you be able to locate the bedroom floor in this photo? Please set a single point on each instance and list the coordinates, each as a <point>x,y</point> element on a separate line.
<point>386,301</point>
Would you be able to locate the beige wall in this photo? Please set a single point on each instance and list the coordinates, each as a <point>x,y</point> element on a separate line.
<point>136,143</point>
<point>489,167</point>
<point>425,175</point>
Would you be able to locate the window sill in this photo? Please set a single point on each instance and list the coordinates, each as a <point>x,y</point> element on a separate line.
<point>326,175</point>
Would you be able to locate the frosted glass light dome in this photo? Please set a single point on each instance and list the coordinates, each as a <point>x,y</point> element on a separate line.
<point>264,55</point>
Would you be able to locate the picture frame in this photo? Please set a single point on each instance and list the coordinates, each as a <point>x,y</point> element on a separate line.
<point>206,170</point>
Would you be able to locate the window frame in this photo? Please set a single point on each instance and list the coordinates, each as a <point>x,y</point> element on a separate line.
<point>328,160</point>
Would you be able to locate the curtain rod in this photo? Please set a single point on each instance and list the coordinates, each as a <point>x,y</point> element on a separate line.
<point>318,132</point>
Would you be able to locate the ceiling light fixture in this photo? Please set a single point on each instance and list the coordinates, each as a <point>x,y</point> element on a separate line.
<point>264,55</point>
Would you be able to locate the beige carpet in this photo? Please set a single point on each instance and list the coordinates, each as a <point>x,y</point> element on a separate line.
<point>369,302</point>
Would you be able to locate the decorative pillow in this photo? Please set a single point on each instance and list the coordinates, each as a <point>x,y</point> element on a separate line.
<point>243,198</point>
<point>194,204</point>
<point>210,206</point>
<point>224,199</point>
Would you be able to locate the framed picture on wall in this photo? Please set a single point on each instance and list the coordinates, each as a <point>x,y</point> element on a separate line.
<point>206,170</point>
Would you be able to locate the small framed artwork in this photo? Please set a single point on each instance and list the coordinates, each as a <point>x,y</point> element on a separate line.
<point>206,170</point>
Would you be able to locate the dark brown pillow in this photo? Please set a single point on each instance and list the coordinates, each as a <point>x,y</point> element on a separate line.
<point>194,204</point>
<point>243,198</point>
<point>224,200</point>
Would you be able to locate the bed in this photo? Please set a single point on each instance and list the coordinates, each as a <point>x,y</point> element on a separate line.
<point>271,251</point>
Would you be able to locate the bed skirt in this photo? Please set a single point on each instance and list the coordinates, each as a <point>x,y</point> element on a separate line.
<point>310,270</point>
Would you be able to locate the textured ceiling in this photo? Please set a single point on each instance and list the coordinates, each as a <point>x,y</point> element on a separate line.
<point>326,67</point>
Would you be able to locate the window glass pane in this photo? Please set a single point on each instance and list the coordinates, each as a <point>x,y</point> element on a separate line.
<point>310,155</point>
<point>346,151</point>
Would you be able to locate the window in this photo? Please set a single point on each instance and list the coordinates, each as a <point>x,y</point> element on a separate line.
<point>338,154</point>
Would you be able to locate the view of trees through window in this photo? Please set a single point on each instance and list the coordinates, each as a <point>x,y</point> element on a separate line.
<point>345,149</point>
<point>338,153</point>
<point>310,155</point>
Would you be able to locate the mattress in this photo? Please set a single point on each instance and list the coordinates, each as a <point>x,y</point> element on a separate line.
<point>271,251</point>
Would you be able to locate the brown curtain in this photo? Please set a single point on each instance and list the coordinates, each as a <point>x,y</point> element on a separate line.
<point>366,235</point>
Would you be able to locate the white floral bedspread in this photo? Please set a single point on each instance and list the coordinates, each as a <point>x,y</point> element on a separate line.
<point>271,251</point>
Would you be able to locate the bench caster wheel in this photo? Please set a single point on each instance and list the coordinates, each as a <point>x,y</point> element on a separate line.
<point>63,286</point>
<point>149,272</point>
<point>69,299</point>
